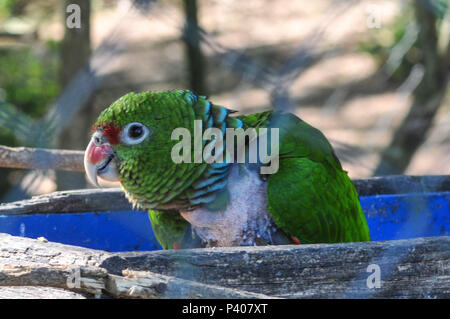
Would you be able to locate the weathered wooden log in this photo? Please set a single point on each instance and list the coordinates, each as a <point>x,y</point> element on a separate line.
<point>39,158</point>
<point>31,292</point>
<point>91,280</point>
<point>416,268</point>
<point>113,199</point>
<point>145,284</point>
<point>29,262</point>
<point>402,184</point>
<point>86,200</point>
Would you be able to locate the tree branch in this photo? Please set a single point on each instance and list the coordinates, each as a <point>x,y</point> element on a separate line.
<point>39,158</point>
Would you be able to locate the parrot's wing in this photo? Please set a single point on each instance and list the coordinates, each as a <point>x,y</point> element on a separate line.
<point>311,197</point>
<point>310,202</point>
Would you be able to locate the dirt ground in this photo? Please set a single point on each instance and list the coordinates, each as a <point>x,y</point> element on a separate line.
<point>339,93</point>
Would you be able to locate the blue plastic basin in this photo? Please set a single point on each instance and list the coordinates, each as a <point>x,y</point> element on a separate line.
<point>399,216</point>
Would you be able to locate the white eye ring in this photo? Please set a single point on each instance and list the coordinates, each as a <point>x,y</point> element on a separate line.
<point>134,133</point>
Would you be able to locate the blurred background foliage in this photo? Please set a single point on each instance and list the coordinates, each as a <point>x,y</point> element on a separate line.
<point>29,79</point>
<point>381,42</point>
<point>39,56</point>
<point>29,68</point>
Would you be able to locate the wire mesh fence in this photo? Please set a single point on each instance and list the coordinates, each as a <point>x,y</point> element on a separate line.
<point>244,57</point>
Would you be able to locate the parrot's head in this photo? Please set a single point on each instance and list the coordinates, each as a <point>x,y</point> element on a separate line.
<point>132,144</point>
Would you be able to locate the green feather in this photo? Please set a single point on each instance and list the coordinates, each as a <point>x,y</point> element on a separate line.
<point>310,197</point>
<point>171,230</point>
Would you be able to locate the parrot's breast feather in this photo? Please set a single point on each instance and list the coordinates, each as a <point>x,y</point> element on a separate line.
<point>245,220</point>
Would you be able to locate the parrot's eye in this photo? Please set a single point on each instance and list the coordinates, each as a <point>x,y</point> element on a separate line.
<point>134,133</point>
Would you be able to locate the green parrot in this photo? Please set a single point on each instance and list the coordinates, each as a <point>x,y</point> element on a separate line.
<point>307,198</point>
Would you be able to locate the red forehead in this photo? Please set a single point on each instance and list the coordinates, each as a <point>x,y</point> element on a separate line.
<point>111,132</point>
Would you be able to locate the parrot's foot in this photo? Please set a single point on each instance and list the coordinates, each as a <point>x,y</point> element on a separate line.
<point>295,240</point>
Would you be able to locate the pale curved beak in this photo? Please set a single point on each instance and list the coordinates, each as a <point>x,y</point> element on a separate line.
<point>100,160</point>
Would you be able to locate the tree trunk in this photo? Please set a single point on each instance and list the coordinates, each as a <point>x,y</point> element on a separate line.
<point>75,52</point>
<point>191,36</point>
<point>427,98</point>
